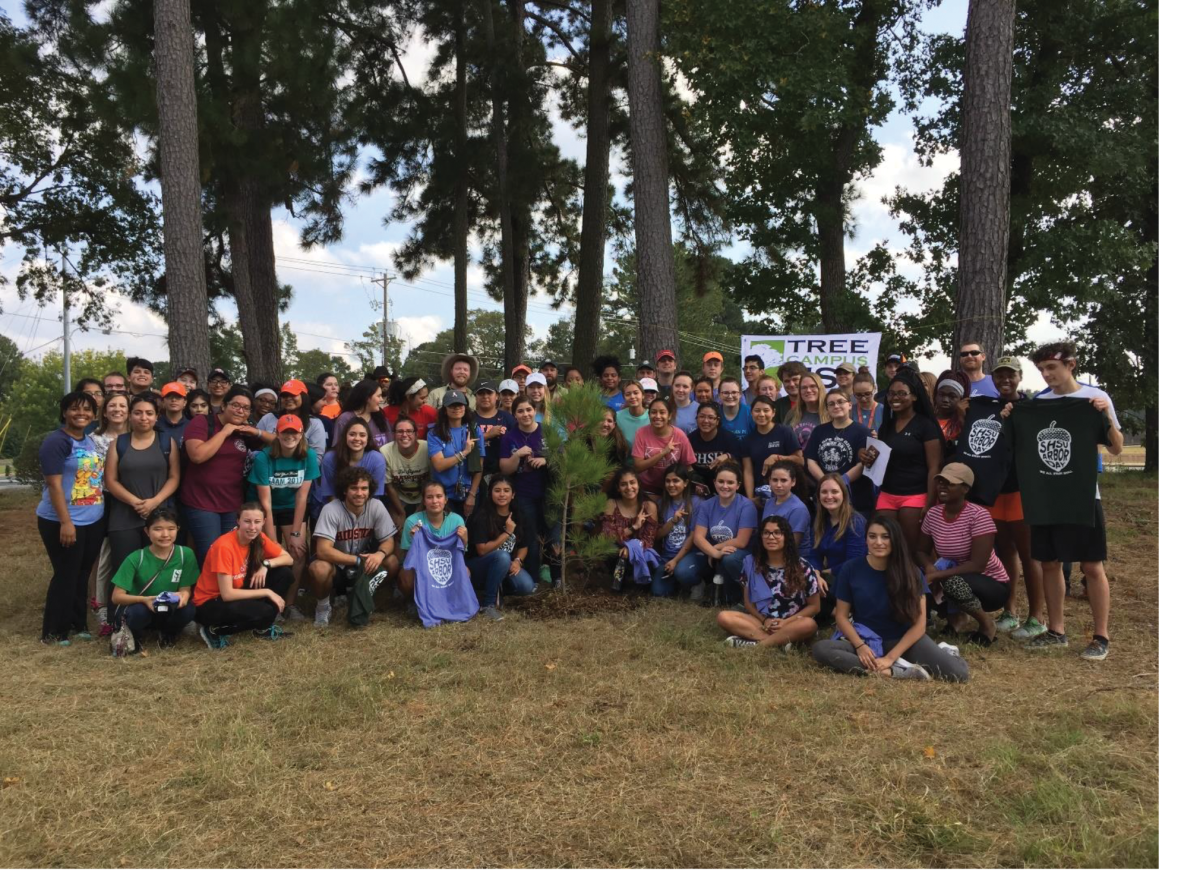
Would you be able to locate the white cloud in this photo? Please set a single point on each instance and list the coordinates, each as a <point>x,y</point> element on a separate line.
<point>900,168</point>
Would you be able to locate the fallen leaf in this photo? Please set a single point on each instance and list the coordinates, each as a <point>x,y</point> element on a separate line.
<point>329,786</point>
<point>930,751</point>
<point>10,781</point>
<point>550,666</point>
<point>390,675</point>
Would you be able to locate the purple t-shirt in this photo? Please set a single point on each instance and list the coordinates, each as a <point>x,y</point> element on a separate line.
<point>722,523</point>
<point>217,484</point>
<point>528,484</point>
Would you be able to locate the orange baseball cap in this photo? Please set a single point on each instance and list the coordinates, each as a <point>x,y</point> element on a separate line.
<point>524,368</point>
<point>289,421</point>
<point>294,388</point>
<point>174,389</point>
<point>714,355</point>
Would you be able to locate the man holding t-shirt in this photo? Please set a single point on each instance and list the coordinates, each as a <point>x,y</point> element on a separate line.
<point>1053,544</point>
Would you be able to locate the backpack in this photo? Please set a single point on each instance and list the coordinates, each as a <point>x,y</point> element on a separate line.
<point>164,444</point>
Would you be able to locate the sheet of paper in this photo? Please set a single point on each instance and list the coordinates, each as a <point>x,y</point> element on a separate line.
<point>877,469</point>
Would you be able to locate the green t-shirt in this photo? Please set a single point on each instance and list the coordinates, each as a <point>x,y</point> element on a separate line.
<point>179,571</point>
<point>629,425</point>
<point>283,475</point>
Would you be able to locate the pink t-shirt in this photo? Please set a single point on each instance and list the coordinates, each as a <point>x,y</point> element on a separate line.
<point>952,539</point>
<point>646,444</point>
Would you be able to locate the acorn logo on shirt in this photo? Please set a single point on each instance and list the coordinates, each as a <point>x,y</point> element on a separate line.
<point>1054,447</point>
<point>720,533</point>
<point>833,452</point>
<point>984,434</point>
<point>440,563</point>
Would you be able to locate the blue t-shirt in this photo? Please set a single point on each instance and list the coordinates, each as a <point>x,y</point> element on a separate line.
<point>722,523</point>
<point>457,479</point>
<point>284,476</point>
<point>798,518</point>
<point>616,401</point>
<point>82,471</point>
<point>326,488</point>
<point>674,540</point>
<point>740,426</point>
<point>985,387</point>
<point>685,418</point>
<point>865,589</point>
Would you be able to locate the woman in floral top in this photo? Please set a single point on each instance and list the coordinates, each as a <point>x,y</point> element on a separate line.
<point>627,517</point>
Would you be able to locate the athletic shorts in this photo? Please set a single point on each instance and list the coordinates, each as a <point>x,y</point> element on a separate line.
<point>1070,542</point>
<point>1007,507</point>
<point>895,501</point>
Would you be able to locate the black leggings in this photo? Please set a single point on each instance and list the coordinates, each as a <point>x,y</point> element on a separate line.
<point>230,617</point>
<point>66,596</point>
<point>973,592</point>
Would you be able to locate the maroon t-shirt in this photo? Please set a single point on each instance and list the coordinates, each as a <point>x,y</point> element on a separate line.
<point>218,484</point>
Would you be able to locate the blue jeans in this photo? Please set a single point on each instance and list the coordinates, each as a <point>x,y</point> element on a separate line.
<point>731,567</point>
<point>139,617</point>
<point>206,527</point>
<point>534,511</point>
<point>689,571</point>
<point>490,572</point>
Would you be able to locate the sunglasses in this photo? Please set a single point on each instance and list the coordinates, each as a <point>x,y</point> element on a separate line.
<point>970,354</point>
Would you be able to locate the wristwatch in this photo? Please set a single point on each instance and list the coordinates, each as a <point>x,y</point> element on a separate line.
<point>267,563</point>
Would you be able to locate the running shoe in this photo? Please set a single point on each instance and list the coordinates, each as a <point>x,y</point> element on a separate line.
<point>1047,641</point>
<point>911,672</point>
<point>213,642</point>
<point>324,611</point>
<point>1095,651</point>
<point>492,613</point>
<point>735,641</point>
<point>83,636</point>
<point>293,614</point>
<point>1007,622</point>
<point>274,633</point>
<point>1031,629</point>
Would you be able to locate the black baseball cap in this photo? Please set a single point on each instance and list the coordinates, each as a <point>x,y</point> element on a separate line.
<point>217,372</point>
<point>548,363</point>
<point>485,386</point>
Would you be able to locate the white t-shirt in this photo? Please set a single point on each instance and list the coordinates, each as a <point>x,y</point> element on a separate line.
<point>1086,391</point>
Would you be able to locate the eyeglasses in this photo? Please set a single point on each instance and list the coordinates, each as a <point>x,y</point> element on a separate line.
<point>865,396</point>
<point>406,432</point>
<point>968,354</point>
<point>730,392</point>
<point>772,534</point>
<point>230,406</point>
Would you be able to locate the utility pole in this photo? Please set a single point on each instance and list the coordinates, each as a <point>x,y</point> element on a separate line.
<point>66,328</point>
<point>384,280</point>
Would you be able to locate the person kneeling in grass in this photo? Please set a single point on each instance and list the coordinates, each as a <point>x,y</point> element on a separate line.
<point>162,567</point>
<point>354,535</point>
<point>245,576</point>
<point>780,593</point>
<point>886,594</point>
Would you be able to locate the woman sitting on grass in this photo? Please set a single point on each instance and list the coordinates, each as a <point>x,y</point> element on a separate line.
<point>779,591</point>
<point>722,529</point>
<point>885,592</point>
<point>627,516</point>
<point>152,570</point>
<point>682,566</point>
<point>839,534</point>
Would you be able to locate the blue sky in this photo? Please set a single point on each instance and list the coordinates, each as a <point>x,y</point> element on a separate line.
<point>336,303</point>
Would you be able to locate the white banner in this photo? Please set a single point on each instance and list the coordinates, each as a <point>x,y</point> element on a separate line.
<point>820,353</point>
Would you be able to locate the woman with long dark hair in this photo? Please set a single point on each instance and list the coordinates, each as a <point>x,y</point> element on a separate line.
<point>294,399</point>
<point>454,458</point>
<point>500,538</point>
<point>365,402</point>
<point>885,593</point>
<point>779,591</point>
<point>627,516</point>
<point>243,582</point>
<point>355,447</point>
<point>409,398</point>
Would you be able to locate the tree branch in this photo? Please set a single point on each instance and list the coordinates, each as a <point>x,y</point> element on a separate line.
<point>554,28</point>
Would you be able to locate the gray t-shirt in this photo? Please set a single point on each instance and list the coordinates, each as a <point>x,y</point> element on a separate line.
<point>314,436</point>
<point>353,534</point>
<point>143,473</point>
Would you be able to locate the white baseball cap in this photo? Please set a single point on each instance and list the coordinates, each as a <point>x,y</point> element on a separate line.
<point>509,386</point>
<point>536,377</point>
<point>649,384</point>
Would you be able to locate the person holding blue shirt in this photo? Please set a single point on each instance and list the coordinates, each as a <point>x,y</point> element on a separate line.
<point>834,447</point>
<point>452,442</point>
<point>885,593</point>
<point>786,505</point>
<point>723,527</point>
<point>780,593</point>
<point>764,446</point>
<point>682,565</point>
<point>735,414</point>
<point>70,517</point>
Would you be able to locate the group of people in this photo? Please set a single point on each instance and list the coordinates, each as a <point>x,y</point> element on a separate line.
<point>218,507</point>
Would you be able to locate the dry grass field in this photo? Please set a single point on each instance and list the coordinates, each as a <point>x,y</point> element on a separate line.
<point>625,738</point>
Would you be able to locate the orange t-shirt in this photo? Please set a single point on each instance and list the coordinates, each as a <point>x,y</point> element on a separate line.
<point>331,411</point>
<point>229,556</point>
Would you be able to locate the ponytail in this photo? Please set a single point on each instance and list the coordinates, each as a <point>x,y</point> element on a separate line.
<point>257,553</point>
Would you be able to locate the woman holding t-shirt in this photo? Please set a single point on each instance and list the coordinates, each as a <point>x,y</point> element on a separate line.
<point>958,555</point>
<point>911,431</point>
<point>658,446</point>
<point>627,516</point>
<point>834,447</point>
<point>70,517</point>
<point>722,529</point>
<point>885,594</point>
<point>243,580</point>
<point>218,448</point>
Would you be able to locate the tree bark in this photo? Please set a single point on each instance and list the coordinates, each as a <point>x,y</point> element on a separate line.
<point>595,188</point>
<point>658,319</point>
<point>831,251</point>
<point>178,150</point>
<point>520,137</point>
<point>986,168</point>
<point>500,145</point>
<point>461,194</point>
<point>1150,344</point>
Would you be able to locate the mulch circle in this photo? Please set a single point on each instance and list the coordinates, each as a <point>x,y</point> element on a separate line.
<point>588,594</point>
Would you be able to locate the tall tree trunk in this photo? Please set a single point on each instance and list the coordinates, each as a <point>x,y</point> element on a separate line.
<point>460,190</point>
<point>831,239</point>
<point>1150,344</point>
<point>512,346</point>
<point>595,189</point>
<point>658,319</point>
<point>986,169</point>
<point>264,353</point>
<point>520,137</point>
<point>236,211</point>
<point>178,149</point>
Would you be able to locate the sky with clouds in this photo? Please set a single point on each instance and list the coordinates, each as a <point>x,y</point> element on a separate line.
<point>332,304</point>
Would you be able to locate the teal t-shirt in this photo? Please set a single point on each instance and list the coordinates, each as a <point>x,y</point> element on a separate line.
<point>629,425</point>
<point>451,522</point>
<point>179,571</point>
<point>283,475</point>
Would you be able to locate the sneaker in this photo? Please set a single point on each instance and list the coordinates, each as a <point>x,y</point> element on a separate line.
<point>1031,629</point>
<point>1047,641</point>
<point>339,601</point>
<point>910,672</point>
<point>492,613</point>
<point>292,613</point>
<point>274,633</point>
<point>166,642</point>
<point>192,629</point>
<point>544,574</point>
<point>1095,651</point>
<point>214,642</point>
<point>699,590</point>
<point>83,636</point>
<point>324,611</point>
<point>1007,622</point>
<point>735,641</point>
<point>51,641</point>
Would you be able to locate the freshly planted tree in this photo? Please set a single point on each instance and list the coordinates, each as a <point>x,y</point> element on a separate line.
<point>578,462</point>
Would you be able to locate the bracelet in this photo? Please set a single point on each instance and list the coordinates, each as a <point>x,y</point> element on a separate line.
<point>863,644</point>
<point>295,533</point>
